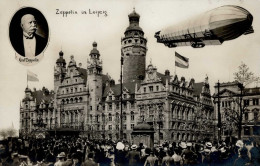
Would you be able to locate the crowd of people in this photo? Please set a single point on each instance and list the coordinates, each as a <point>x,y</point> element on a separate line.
<point>75,151</point>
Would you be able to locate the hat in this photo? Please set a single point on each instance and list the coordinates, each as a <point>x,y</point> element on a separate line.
<point>213,149</point>
<point>22,157</point>
<point>240,143</point>
<point>15,154</point>
<point>134,147</point>
<point>222,150</point>
<point>120,146</point>
<point>208,144</point>
<point>189,144</point>
<point>61,155</point>
<point>183,145</point>
<point>206,150</point>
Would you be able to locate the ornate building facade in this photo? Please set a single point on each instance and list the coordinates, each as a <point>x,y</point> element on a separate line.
<point>87,101</point>
<point>229,101</point>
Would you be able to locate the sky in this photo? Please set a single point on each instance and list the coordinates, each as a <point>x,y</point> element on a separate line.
<point>75,34</point>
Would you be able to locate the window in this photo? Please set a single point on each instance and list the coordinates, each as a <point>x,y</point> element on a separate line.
<point>109,127</point>
<point>98,126</point>
<point>97,107</point>
<point>255,116</point>
<point>117,106</point>
<point>255,102</point>
<point>132,116</point>
<point>90,108</point>
<point>144,89</point>
<point>110,106</point>
<point>222,103</point>
<point>67,90</point>
<point>246,102</point>
<point>103,127</point>
<point>117,127</point>
<point>104,107</point>
<point>76,89</point>
<point>132,126</point>
<point>124,126</point>
<point>90,118</point>
<point>124,96</point>
<point>110,117</point>
<point>246,131</point>
<point>76,80</point>
<point>157,88</point>
<point>246,116</point>
<point>124,116</point>
<point>110,97</point>
<point>31,114</point>
<point>151,88</point>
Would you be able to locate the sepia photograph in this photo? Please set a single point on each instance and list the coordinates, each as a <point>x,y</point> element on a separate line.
<point>109,82</point>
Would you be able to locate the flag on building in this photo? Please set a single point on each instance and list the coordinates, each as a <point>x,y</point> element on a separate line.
<point>31,76</point>
<point>181,61</point>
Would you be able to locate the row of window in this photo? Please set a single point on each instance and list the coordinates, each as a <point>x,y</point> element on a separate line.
<point>117,117</point>
<point>71,90</point>
<point>129,41</point>
<point>151,89</point>
<point>72,100</point>
<point>246,102</point>
<point>125,96</point>
<point>110,127</point>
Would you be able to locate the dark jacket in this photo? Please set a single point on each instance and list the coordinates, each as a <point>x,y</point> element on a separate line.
<point>19,47</point>
<point>134,158</point>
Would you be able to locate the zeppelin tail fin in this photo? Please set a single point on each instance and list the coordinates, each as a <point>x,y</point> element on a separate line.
<point>250,30</point>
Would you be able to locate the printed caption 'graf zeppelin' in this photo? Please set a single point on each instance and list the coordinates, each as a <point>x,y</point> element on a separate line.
<point>98,13</point>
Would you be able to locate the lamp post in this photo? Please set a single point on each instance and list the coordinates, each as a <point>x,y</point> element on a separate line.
<point>121,95</point>
<point>219,115</point>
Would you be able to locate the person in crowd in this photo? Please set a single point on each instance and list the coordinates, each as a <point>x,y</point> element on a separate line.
<point>133,156</point>
<point>206,154</point>
<point>255,154</point>
<point>61,159</point>
<point>168,160</point>
<point>90,160</point>
<point>243,158</point>
<point>177,157</point>
<point>76,160</point>
<point>151,160</point>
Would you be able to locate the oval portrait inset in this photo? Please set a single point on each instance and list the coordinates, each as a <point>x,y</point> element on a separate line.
<point>29,34</point>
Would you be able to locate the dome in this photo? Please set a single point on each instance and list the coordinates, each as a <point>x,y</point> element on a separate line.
<point>27,90</point>
<point>61,53</point>
<point>61,60</point>
<point>134,27</point>
<point>134,14</point>
<point>94,50</point>
<point>143,126</point>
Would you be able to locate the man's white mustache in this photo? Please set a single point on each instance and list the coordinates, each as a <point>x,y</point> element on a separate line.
<point>34,28</point>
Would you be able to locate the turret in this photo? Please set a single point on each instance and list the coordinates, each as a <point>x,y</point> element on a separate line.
<point>59,70</point>
<point>133,50</point>
<point>94,82</point>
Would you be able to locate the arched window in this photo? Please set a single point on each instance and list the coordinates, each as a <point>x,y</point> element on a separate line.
<point>132,116</point>
<point>109,117</point>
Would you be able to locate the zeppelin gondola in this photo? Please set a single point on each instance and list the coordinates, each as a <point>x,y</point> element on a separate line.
<point>210,28</point>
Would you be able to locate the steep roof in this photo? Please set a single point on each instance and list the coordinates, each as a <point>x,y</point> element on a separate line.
<point>116,88</point>
<point>40,96</point>
<point>83,73</point>
<point>163,77</point>
<point>198,88</point>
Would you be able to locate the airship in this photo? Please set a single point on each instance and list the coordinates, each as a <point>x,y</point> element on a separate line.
<point>210,28</point>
